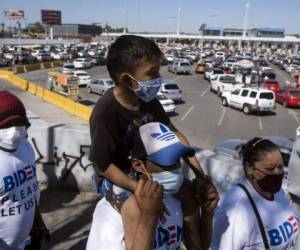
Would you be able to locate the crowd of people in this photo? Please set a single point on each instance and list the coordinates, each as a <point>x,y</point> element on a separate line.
<point>137,154</point>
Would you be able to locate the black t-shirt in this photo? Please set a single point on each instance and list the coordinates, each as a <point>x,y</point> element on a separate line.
<point>111,127</point>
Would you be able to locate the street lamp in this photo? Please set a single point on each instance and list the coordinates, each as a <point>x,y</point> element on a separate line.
<point>125,14</point>
<point>245,23</point>
<point>178,17</point>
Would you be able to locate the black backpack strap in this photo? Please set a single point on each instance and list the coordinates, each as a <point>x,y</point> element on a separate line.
<point>260,223</point>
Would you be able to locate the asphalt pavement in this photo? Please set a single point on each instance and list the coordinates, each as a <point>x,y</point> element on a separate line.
<point>201,116</point>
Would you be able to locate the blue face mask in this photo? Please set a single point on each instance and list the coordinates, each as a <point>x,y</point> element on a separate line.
<point>147,90</point>
<point>170,180</point>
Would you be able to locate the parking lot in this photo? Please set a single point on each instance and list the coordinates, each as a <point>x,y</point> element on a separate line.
<point>201,116</point>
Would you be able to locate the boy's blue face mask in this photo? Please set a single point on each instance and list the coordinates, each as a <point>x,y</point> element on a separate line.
<point>147,90</point>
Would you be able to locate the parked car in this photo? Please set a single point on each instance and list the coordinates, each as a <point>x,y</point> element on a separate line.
<point>24,58</point>
<point>83,63</point>
<point>289,97</point>
<point>167,103</point>
<point>222,83</point>
<point>100,86</point>
<point>201,68</point>
<point>270,84</point>
<point>83,77</point>
<point>171,89</point>
<point>250,99</point>
<point>4,62</point>
<point>68,68</point>
<point>212,72</point>
<point>180,66</point>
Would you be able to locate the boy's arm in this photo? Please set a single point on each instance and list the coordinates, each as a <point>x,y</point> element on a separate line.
<point>116,176</point>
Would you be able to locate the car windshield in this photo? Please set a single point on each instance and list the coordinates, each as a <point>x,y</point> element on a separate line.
<point>228,79</point>
<point>266,95</point>
<point>171,86</point>
<point>109,83</point>
<point>162,97</point>
<point>271,82</point>
<point>295,92</point>
<point>218,72</point>
<point>82,74</point>
<point>184,64</point>
<point>69,66</point>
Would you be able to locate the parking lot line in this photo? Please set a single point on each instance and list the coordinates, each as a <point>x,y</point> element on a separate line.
<point>260,123</point>
<point>294,114</point>
<point>187,113</point>
<point>222,117</point>
<point>205,91</point>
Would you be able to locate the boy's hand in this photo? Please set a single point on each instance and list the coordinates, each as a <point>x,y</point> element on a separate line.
<point>206,193</point>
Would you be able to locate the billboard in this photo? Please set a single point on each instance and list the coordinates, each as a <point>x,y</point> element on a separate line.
<point>51,17</point>
<point>14,14</point>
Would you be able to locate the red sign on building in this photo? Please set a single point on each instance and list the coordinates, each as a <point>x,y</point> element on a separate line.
<point>51,17</point>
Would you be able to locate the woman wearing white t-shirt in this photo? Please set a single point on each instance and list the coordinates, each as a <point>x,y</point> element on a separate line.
<point>273,225</point>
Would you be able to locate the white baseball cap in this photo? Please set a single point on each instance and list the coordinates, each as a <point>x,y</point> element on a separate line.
<point>162,145</point>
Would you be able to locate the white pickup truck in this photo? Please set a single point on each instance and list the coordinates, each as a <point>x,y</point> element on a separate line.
<point>222,83</point>
<point>250,99</point>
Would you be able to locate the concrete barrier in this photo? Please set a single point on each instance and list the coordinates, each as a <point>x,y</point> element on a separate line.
<point>57,63</point>
<point>32,88</point>
<point>31,67</point>
<point>40,91</point>
<point>69,106</point>
<point>19,69</point>
<point>47,65</point>
<point>6,74</point>
<point>82,111</point>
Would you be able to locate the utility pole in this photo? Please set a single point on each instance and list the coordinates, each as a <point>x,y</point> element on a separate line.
<point>125,14</point>
<point>245,23</point>
<point>178,17</point>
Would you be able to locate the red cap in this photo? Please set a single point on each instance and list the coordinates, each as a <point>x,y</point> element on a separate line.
<point>11,109</point>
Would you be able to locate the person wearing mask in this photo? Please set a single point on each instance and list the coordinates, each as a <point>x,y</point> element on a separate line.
<point>133,63</point>
<point>294,178</point>
<point>19,196</point>
<point>255,213</point>
<point>155,158</point>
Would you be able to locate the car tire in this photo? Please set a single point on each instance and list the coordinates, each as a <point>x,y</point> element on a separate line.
<point>224,102</point>
<point>219,92</point>
<point>246,109</point>
<point>89,90</point>
<point>175,72</point>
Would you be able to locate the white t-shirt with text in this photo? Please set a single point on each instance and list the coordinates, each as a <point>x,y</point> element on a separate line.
<point>235,225</point>
<point>19,193</point>
<point>107,232</point>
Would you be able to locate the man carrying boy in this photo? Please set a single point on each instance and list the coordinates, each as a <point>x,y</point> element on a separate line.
<point>133,63</point>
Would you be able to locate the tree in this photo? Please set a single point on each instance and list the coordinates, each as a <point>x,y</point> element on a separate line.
<point>38,28</point>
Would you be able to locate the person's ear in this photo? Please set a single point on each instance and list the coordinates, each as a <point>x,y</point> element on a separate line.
<point>137,165</point>
<point>249,170</point>
<point>125,80</point>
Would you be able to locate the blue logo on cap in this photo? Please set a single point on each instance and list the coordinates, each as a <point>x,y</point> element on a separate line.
<point>165,135</point>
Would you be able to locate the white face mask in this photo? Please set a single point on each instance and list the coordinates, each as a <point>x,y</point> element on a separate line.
<point>170,180</point>
<point>10,138</point>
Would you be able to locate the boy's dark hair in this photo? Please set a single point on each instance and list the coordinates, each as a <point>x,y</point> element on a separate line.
<point>254,149</point>
<point>127,52</point>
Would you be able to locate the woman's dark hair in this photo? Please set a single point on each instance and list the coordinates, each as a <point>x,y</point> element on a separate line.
<point>127,52</point>
<point>254,149</point>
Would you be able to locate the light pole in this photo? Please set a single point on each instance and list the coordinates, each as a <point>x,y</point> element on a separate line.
<point>178,17</point>
<point>245,23</point>
<point>125,14</point>
<point>19,34</point>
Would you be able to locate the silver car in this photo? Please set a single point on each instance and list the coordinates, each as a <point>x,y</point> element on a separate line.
<point>100,86</point>
<point>171,89</point>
